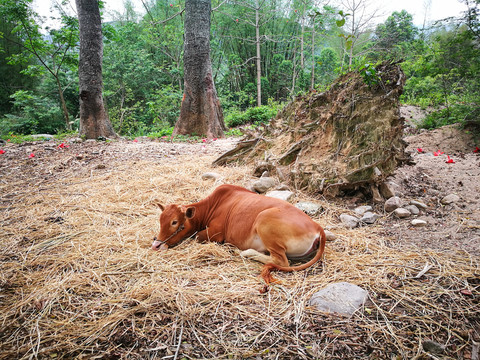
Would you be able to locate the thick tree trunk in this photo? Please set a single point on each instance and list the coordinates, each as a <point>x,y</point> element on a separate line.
<point>94,120</point>
<point>201,113</point>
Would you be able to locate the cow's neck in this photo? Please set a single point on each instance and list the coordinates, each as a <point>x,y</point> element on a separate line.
<point>204,210</point>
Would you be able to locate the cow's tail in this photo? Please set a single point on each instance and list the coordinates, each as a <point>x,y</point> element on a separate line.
<point>266,272</point>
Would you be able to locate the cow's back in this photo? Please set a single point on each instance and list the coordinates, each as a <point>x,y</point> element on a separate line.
<point>238,209</point>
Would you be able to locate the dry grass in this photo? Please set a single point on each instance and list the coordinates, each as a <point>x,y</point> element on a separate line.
<point>78,278</point>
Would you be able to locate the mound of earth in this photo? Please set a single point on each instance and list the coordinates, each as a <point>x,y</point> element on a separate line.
<point>345,139</point>
<point>429,178</point>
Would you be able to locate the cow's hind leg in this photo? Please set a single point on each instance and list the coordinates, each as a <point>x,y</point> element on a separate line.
<point>256,255</point>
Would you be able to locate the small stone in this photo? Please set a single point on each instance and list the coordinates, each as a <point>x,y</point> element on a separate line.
<point>349,220</point>
<point>263,184</point>
<point>402,213</point>
<point>362,209</point>
<point>450,199</point>
<point>369,217</point>
<point>341,298</point>
<point>100,166</point>
<point>433,347</point>
<point>309,208</point>
<point>282,187</point>
<point>282,195</point>
<point>392,203</point>
<point>76,140</point>
<point>376,196</point>
<point>418,204</point>
<point>210,176</point>
<point>418,222</point>
<point>329,235</point>
<point>387,190</point>
<point>413,209</point>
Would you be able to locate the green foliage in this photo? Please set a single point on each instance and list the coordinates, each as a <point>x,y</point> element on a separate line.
<point>369,74</point>
<point>33,114</point>
<point>257,116</point>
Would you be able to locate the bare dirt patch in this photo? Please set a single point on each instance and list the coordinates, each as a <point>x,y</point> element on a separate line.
<point>78,278</point>
<point>450,227</point>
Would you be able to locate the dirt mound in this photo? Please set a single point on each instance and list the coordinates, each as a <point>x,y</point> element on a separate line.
<point>449,139</point>
<point>346,138</point>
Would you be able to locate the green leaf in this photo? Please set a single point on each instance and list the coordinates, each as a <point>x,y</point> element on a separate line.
<point>340,23</point>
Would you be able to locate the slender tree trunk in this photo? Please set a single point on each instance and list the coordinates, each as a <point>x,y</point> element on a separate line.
<point>259,63</point>
<point>94,120</point>
<point>201,113</point>
<point>312,79</point>
<point>63,103</point>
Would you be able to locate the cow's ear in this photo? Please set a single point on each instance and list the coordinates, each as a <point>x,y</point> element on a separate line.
<point>160,206</point>
<point>190,212</point>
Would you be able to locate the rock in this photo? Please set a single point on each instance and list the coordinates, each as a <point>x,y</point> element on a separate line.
<point>349,220</point>
<point>210,175</point>
<point>369,217</point>
<point>392,203</point>
<point>282,187</point>
<point>433,347</point>
<point>263,184</point>
<point>418,204</point>
<point>309,208</point>
<point>100,166</point>
<point>418,222</point>
<point>282,195</point>
<point>342,298</point>
<point>413,209</point>
<point>376,197</point>
<point>450,199</point>
<point>362,209</point>
<point>261,167</point>
<point>329,235</point>
<point>387,190</point>
<point>402,213</point>
<point>42,136</point>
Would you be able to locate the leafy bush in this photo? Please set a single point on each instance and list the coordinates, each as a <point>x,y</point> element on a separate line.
<point>256,115</point>
<point>32,114</point>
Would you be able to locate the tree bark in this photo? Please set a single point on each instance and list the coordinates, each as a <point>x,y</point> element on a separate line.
<point>94,121</point>
<point>259,63</point>
<point>201,113</point>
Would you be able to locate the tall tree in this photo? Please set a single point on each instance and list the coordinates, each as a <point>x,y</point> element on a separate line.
<point>94,121</point>
<point>200,112</point>
<point>52,53</point>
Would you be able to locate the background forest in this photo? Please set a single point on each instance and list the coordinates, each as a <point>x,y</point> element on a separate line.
<point>304,46</point>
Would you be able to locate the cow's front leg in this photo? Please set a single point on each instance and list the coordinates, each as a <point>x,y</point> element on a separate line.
<point>209,235</point>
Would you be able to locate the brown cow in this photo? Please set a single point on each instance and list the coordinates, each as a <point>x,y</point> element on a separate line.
<point>266,229</point>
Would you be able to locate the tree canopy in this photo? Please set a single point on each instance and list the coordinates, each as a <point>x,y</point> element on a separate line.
<point>302,45</point>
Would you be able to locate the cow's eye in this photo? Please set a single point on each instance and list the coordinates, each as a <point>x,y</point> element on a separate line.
<point>174,222</point>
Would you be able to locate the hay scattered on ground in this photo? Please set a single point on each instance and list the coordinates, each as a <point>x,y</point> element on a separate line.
<point>78,278</point>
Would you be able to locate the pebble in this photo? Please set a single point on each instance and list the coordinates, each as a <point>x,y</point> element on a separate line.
<point>263,184</point>
<point>387,190</point>
<point>329,235</point>
<point>418,222</point>
<point>450,199</point>
<point>392,203</point>
<point>282,195</point>
<point>369,217</point>
<point>402,213</point>
<point>210,175</point>
<point>309,208</point>
<point>413,209</point>
<point>362,209</point>
<point>418,204</point>
<point>433,347</point>
<point>349,220</point>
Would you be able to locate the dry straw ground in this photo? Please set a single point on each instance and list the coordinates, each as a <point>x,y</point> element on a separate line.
<point>78,278</point>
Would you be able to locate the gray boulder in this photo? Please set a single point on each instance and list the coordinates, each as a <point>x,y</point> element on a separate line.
<point>263,184</point>
<point>392,203</point>
<point>349,220</point>
<point>309,208</point>
<point>341,298</point>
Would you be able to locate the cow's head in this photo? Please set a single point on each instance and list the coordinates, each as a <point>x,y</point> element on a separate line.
<point>175,226</point>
